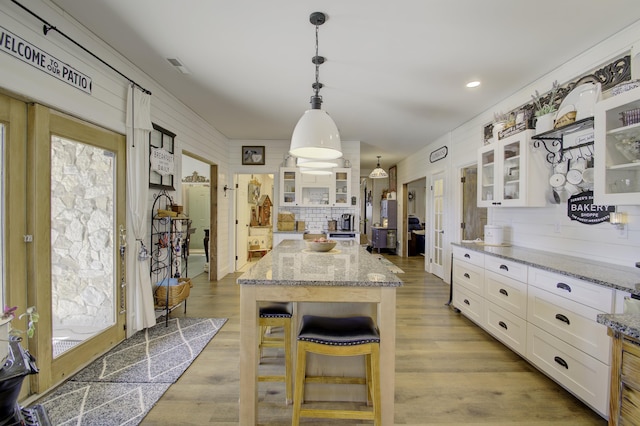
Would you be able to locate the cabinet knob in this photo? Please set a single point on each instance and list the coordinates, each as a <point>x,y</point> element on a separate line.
<point>467,275</point>
<point>467,256</point>
<point>466,301</point>
<point>503,291</point>
<point>503,325</point>
<point>504,267</point>
<point>563,286</point>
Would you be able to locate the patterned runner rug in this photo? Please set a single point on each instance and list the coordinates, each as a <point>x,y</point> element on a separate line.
<point>120,387</point>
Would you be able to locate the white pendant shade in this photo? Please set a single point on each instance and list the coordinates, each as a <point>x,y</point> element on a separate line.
<point>378,172</point>
<point>316,164</point>
<point>316,136</point>
<point>315,171</point>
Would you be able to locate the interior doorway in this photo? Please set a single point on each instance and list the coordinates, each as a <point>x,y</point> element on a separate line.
<point>474,218</point>
<point>254,217</point>
<point>196,199</point>
<point>415,217</point>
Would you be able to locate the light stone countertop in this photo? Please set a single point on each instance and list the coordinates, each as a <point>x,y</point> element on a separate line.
<point>290,263</point>
<point>627,324</point>
<point>623,278</point>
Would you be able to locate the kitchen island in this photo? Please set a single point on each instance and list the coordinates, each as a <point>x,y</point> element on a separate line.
<point>292,273</point>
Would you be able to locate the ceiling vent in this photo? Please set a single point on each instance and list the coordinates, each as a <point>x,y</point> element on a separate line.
<point>178,64</point>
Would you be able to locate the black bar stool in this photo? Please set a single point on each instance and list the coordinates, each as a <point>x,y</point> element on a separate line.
<point>277,315</point>
<point>339,337</point>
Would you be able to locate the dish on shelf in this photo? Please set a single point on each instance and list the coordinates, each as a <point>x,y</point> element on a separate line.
<point>557,180</point>
<point>630,149</point>
<point>583,98</point>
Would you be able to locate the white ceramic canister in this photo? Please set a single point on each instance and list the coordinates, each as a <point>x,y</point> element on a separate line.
<point>493,235</point>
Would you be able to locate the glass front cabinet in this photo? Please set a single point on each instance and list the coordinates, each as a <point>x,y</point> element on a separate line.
<point>512,173</point>
<point>341,194</point>
<point>289,186</point>
<point>617,150</point>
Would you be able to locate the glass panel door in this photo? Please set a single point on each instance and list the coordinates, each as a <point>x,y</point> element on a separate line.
<point>437,234</point>
<point>83,239</point>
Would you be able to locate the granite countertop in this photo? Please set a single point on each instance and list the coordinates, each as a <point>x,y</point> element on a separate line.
<point>606,274</point>
<point>627,324</point>
<point>348,264</point>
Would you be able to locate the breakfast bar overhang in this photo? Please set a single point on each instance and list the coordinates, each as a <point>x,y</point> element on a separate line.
<point>292,273</point>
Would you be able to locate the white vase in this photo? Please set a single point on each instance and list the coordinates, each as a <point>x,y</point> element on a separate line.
<point>544,123</point>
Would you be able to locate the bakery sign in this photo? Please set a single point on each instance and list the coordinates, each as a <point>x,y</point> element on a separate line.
<point>580,207</point>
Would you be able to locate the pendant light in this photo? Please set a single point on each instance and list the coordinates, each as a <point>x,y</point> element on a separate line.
<point>316,164</point>
<point>316,135</point>
<point>378,172</point>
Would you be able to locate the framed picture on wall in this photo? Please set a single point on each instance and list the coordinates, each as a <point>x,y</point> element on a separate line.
<point>252,155</point>
<point>393,178</point>
<point>161,158</point>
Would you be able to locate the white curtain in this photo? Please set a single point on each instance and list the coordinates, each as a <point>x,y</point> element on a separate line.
<point>141,306</point>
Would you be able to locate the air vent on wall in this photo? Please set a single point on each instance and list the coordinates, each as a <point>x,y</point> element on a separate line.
<point>178,64</point>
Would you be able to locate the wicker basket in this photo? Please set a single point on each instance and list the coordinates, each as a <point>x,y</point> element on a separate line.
<point>177,293</point>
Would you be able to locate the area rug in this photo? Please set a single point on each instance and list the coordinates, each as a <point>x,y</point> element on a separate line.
<point>121,387</point>
<point>390,266</point>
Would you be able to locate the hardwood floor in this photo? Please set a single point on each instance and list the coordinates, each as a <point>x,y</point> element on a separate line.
<point>448,370</point>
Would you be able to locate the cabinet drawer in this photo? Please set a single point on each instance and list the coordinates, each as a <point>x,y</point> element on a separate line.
<point>571,322</point>
<point>506,293</point>
<point>470,304</point>
<point>507,327</point>
<point>469,276</point>
<point>629,406</point>
<point>584,376</point>
<point>505,267</point>
<point>469,256</point>
<point>593,295</point>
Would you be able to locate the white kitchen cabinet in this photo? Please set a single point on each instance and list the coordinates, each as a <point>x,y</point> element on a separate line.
<point>550,319</point>
<point>512,173</point>
<point>289,186</point>
<point>341,194</point>
<point>308,190</point>
<point>617,150</point>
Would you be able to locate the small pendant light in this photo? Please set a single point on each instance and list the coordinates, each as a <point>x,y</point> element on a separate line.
<point>378,172</point>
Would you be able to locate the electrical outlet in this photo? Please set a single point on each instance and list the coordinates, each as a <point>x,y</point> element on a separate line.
<point>623,234</point>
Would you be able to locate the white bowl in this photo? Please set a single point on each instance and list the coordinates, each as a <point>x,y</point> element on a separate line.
<point>321,246</point>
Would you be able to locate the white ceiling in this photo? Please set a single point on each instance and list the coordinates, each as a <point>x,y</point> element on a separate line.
<point>395,73</point>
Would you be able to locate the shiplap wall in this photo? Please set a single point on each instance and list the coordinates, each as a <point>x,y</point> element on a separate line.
<point>532,227</point>
<point>105,106</point>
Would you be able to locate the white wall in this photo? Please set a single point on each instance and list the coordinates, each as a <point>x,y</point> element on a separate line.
<point>533,227</point>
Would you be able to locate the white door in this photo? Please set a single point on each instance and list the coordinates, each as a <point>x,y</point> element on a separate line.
<point>436,252</point>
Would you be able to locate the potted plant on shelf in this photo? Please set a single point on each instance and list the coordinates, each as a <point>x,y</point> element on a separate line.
<point>545,109</point>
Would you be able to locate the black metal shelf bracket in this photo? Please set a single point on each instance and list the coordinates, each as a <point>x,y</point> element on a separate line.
<point>553,140</point>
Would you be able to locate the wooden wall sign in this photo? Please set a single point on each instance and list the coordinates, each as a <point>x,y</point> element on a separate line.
<point>438,154</point>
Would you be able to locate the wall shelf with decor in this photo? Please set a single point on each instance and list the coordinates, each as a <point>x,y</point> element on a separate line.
<point>553,140</point>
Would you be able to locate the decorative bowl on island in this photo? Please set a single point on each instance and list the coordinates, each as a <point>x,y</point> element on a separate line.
<point>321,245</point>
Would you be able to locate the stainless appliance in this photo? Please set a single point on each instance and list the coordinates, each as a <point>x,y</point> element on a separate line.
<point>344,236</point>
<point>346,222</point>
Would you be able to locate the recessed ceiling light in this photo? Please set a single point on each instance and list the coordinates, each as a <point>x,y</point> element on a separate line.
<point>474,83</point>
